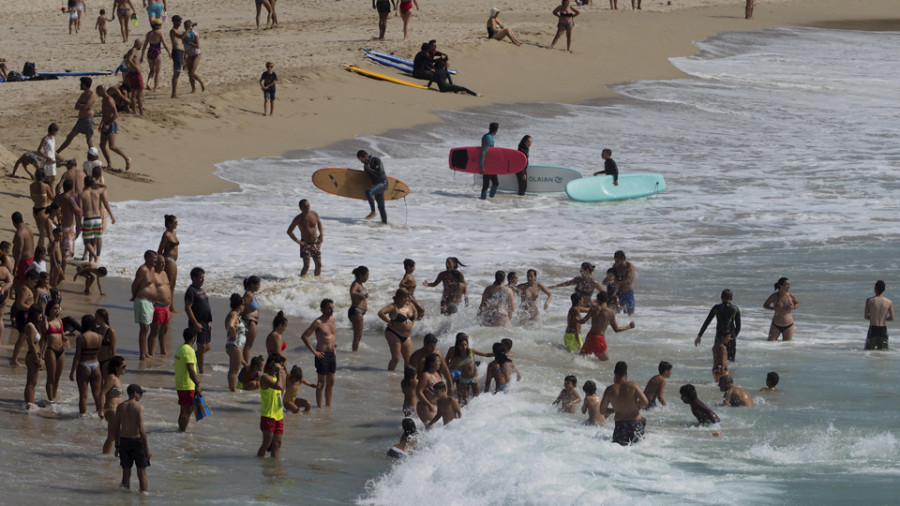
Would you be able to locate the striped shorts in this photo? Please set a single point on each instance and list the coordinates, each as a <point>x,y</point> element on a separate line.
<point>92,228</point>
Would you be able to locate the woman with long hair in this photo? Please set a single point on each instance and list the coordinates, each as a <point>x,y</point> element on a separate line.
<point>358,303</point>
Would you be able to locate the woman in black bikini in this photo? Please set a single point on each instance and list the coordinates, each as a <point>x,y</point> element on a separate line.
<point>450,297</point>
<point>400,318</point>
<point>358,303</point>
<point>782,302</point>
<point>585,284</point>
<point>112,395</point>
<point>108,344</point>
<point>85,363</point>
<point>35,346</point>
<point>566,14</point>
<point>168,248</point>
<point>55,351</point>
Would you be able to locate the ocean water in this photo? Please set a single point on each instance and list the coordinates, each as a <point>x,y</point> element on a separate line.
<point>780,158</point>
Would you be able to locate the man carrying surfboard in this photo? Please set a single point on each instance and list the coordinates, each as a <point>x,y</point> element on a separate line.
<point>373,167</point>
<point>609,166</point>
<point>487,142</point>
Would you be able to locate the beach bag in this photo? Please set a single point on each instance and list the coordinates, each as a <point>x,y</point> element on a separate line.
<point>202,410</point>
<point>28,70</point>
<point>13,76</point>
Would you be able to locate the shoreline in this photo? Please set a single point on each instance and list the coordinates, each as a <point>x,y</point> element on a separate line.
<point>219,125</point>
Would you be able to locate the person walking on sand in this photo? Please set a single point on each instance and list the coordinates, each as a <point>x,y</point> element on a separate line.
<point>109,128</point>
<point>311,236</point>
<point>154,40</point>
<point>497,30</point>
<point>85,123</point>
<point>627,400</point>
<point>123,9</point>
<point>192,55</point>
<point>41,198</point>
<point>259,5</point>
<point>325,350</point>
<point>267,83</point>
<point>384,8</point>
<point>405,12</point>
<point>879,310</point>
<point>748,10</point>
<point>782,302</point>
<point>375,170</point>
<point>93,202</point>
<point>135,79</point>
<point>177,53</point>
<point>487,142</point>
<point>566,14</point>
<point>131,438</point>
<point>22,247</point>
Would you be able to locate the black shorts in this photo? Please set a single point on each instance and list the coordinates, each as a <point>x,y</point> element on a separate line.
<point>205,335</point>
<point>383,7</point>
<point>877,338</point>
<point>327,364</point>
<point>132,452</point>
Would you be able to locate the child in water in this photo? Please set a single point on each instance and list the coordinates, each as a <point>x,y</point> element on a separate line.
<point>248,377</point>
<point>407,440</point>
<point>568,398</point>
<point>572,337</point>
<point>408,386</point>
<point>292,400</point>
<point>447,407</point>
<point>771,381</point>
<point>657,385</point>
<point>500,370</point>
<point>591,404</point>
<point>720,356</point>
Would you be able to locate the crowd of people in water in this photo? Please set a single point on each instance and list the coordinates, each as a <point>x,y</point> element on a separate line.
<point>32,269</point>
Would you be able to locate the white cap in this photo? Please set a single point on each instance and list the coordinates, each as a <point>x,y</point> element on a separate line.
<point>93,152</point>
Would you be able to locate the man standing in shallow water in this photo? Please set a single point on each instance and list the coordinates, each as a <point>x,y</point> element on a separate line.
<point>879,310</point>
<point>131,438</point>
<point>311,236</point>
<point>627,400</point>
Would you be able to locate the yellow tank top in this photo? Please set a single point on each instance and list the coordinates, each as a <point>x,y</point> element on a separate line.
<point>270,405</point>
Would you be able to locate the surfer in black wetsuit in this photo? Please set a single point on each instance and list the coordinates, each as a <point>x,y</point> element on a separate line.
<point>423,64</point>
<point>609,166</point>
<point>522,177</point>
<point>373,167</point>
<point>445,83</point>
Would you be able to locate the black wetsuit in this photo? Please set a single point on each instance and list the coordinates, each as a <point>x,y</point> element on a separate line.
<point>445,83</point>
<point>423,66</point>
<point>522,177</point>
<point>611,169</point>
<point>376,173</point>
<point>728,322</point>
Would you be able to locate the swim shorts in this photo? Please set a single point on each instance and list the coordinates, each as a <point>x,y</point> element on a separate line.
<point>627,299</point>
<point>186,397</point>
<point>160,314</point>
<point>67,239</point>
<point>155,10</point>
<point>383,7</point>
<point>92,227</point>
<point>84,126</point>
<point>21,320</point>
<point>327,364</point>
<point>133,452</point>
<point>205,335</point>
<point>272,425</point>
<point>135,80</point>
<point>594,345</point>
<point>311,249</point>
<point>143,311</point>
<point>573,342</point>
<point>269,93</point>
<point>23,266</point>
<point>177,60</point>
<point>628,432</point>
<point>111,129</point>
<point>877,338</point>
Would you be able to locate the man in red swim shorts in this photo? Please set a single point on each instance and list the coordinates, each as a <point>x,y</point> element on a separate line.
<point>134,78</point>
<point>601,318</point>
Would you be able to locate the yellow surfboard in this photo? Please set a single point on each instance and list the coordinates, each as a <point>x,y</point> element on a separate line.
<point>383,77</point>
<point>352,183</point>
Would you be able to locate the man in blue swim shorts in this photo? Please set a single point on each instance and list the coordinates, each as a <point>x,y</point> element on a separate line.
<point>155,8</point>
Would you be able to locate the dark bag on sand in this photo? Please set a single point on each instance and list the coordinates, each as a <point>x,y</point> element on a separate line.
<point>28,70</point>
<point>12,76</point>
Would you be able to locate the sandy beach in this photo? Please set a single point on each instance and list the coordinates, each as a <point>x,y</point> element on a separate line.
<point>177,143</point>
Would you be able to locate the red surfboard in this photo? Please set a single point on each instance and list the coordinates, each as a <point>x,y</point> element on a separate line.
<point>497,161</point>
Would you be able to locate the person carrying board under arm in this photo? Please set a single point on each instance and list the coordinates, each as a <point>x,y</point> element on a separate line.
<point>487,141</point>
<point>373,167</point>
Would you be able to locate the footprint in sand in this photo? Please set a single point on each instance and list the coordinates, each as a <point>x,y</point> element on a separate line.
<point>133,176</point>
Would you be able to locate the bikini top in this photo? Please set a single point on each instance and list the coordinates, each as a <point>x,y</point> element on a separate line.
<point>37,335</point>
<point>364,292</point>
<point>400,318</point>
<point>116,391</point>
<point>466,361</point>
<point>254,305</point>
<point>54,330</point>
<point>106,341</point>
<point>780,304</point>
<point>567,14</point>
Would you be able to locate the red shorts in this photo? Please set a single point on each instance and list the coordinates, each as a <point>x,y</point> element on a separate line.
<point>160,314</point>
<point>594,345</point>
<point>135,81</point>
<point>272,425</point>
<point>185,397</point>
<point>23,266</point>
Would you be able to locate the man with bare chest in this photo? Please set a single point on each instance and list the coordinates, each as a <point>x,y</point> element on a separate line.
<point>601,318</point>
<point>627,400</point>
<point>93,200</point>
<point>70,213</point>
<point>879,311</point>
<point>85,123</point>
<point>311,235</point>
<point>324,351</point>
<point>149,292</point>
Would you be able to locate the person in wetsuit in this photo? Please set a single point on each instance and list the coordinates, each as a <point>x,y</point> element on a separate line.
<point>609,166</point>
<point>487,142</point>
<point>728,322</point>
<point>373,167</point>
<point>445,83</point>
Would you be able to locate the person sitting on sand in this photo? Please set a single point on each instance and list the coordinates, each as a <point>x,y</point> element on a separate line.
<point>445,83</point>
<point>91,272</point>
<point>497,30</point>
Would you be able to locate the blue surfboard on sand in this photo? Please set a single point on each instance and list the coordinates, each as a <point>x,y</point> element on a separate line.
<point>388,63</point>
<point>397,59</point>
<point>602,189</point>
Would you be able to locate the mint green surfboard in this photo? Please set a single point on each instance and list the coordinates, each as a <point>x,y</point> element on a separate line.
<point>601,188</point>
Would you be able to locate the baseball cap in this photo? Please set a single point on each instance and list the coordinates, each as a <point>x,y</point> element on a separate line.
<point>93,152</point>
<point>134,388</point>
